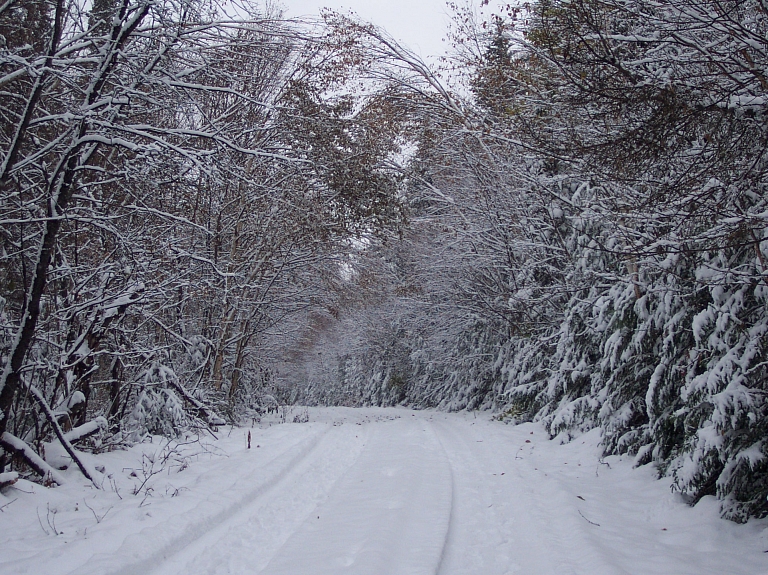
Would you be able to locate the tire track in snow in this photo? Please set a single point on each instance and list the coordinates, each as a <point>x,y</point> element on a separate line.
<point>196,523</point>
<point>513,518</point>
<point>449,535</point>
<point>389,514</point>
<point>247,541</point>
<point>492,531</point>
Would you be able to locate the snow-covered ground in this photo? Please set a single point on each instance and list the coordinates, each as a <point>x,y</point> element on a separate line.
<point>371,491</point>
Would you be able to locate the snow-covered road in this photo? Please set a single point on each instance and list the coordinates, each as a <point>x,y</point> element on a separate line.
<point>375,492</point>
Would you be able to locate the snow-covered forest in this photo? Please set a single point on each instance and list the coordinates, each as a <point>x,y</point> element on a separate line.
<point>208,210</point>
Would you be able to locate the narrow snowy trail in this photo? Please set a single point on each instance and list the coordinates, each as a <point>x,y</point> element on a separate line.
<point>380,492</point>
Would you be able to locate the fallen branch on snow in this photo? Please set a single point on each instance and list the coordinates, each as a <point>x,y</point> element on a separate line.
<point>89,473</point>
<point>7,479</point>
<point>86,430</point>
<point>13,444</point>
<point>203,411</point>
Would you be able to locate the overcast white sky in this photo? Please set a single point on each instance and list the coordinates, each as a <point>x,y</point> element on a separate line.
<point>419,24</point>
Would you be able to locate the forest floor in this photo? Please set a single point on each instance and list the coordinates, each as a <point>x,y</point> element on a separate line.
<point>371,491</point>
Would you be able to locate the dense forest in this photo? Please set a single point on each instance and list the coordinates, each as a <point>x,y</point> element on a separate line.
<point>204,215</point>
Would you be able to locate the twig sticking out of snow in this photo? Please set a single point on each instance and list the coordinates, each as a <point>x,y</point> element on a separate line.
<point>41,523</point>
<point>588,521</point>
<point>50,518</point>
<point>2,507</point>
<point>98,519</point>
